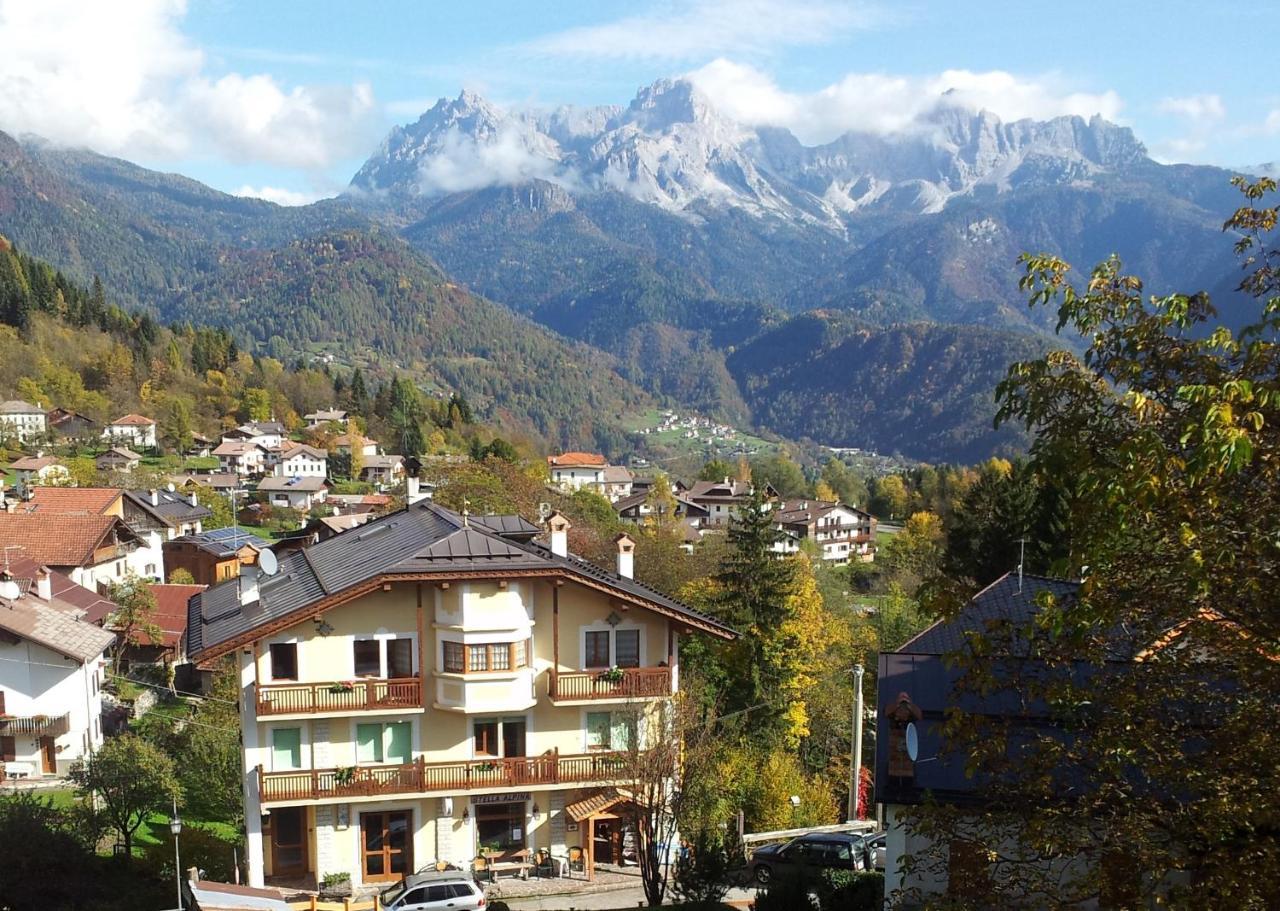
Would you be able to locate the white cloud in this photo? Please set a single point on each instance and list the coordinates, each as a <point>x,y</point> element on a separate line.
<point>122,78</point>
<point>1199,109</point>
<point>883,104</point>
<point>461,164</point>
<point>278,195</point>
<point>701,28</point>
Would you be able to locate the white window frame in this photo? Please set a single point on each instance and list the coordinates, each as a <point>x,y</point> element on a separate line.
<point>601,626</point>
<point>381,636</point>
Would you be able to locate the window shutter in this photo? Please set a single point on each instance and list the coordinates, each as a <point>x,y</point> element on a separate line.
<point>8,749</point>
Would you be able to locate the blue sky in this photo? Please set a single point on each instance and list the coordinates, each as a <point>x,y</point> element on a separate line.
<point>286,99</point>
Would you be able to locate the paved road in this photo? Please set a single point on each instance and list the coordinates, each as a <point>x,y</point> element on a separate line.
<point>599,901</point>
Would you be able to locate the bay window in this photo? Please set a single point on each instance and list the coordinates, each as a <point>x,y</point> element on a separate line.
<point>467,658</point>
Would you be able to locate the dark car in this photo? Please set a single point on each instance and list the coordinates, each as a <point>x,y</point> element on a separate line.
<point>840,852</point>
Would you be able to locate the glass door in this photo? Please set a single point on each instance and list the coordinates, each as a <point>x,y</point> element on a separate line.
<point>386,845</point>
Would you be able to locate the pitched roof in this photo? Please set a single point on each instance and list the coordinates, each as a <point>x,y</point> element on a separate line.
<point>33,463</point>
<point>18,406</point>
<point>132,420</point>
<point>339,524</point>
<point>730,488</point>
<point>236,447</point>
<point>171,509</point>
<point>82,603</point>
<point>308,484</point>
<point>291,449</point>
<point>382,461</point>
<point>120,452</point>
<point>219,480</point>
<point>72,501</point>
<point>171,611</point>
<point>570,459</point>
<point>35,620</point>
<point>1004,599</point>
<point>421,539</point>
<point>223,542</point>
<point>327,414</point>
<point>60,540</point>
<point>345,439</point>
<point>618,474</point>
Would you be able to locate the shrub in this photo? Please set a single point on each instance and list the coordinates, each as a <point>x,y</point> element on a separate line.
<point>701,874</point>
<point>786,892</point>
<point>200,847</point>
<point>845,890</point>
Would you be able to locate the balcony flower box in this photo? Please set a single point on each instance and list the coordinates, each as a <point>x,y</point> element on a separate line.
<point>613,675</point>
<point>344,686</point>
<point>344,776</point>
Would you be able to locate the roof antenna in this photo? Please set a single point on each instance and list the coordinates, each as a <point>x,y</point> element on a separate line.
<point>7,548</point>
<point>1022,556</point>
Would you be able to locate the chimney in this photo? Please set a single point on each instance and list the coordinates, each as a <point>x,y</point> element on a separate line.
<point>155,497</point>
<point>248,583</point>
<point>559,526</point>
<point>195,501</point>
<point>44,584</point>
<point>413,490</point>
<point>626,555</point>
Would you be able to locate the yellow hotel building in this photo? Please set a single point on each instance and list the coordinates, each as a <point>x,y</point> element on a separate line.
<point>431,686</point>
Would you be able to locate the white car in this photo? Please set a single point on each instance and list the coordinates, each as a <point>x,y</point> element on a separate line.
<point>451,889</point>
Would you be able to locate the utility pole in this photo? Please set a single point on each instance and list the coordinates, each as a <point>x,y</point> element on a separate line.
<point>855,768</point>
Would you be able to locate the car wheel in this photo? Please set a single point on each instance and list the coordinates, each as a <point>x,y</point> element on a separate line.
<point>763,875</point>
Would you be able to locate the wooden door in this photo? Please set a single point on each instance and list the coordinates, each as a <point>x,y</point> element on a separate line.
<point>48,756</point>
<point>386,843</point>
<point>288,841</point>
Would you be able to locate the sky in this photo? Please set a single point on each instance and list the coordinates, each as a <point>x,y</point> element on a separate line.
<point>284,100</point>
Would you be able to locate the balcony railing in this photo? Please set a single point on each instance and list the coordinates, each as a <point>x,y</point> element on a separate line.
<point>423,777</point>
<point>366,694</point>
<point>636,683</point>
<point>36,725</point>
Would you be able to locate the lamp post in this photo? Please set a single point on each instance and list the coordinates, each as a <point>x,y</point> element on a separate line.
<point>175,826</point>
<point>855,768</point>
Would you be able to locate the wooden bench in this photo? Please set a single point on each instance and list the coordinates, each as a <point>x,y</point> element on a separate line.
<point>507,862</point>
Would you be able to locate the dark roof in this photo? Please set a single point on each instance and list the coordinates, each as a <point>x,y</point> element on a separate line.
<point>422,538</point>
<point>83,603</point>
<point>1003,599</point>
<point>172,508</point>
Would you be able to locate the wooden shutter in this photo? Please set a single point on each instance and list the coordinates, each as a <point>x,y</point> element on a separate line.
<point>1,702</point>
<point>8,749</point>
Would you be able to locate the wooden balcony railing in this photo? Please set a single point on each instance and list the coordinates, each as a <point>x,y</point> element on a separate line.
<point>36,725</point>
<point>365,694</point>
<point>636,683</point>
<point>421,777</point>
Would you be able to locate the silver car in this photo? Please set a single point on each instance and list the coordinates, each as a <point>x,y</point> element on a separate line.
<point>432,891</point>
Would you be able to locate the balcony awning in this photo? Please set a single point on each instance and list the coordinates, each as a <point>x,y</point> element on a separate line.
<point>595,804</point>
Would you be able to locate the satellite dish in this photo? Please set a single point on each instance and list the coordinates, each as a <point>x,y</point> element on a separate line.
<point>913,741</point>
<point>171,487</point>
<point>9,590</point>
<point>268,564</point>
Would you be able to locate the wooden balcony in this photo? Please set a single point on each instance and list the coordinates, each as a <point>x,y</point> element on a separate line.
<point>636,683</point>
<point>36,725</point>
<point>421,777</point>
<point>367,694</point>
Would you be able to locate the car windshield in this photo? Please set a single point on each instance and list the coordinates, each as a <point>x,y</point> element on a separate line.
<point>390,895</point>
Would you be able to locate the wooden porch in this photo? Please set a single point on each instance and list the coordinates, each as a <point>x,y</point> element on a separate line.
<point>634,683</point>
<point>365,694</point>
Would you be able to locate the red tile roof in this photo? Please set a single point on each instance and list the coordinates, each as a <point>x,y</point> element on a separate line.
<point>58,540</point>
<point>171,611</point>
<point>576,458</point>
<point>69,501</point>
<point>130,419</point>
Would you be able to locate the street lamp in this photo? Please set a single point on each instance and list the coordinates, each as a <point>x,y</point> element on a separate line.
<point>175,826</point>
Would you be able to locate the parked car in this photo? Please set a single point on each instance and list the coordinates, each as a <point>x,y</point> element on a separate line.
<point>875,845</point>
<point>434,891</point>
<point>834,851</point>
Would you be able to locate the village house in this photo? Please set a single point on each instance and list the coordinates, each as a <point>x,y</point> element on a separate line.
<point>225,483</point>
<point>300,493</point>
<point>722,499</point>
<point>345,443</point>
<point>575,470</point>
<point>382,470</point>
<point>296,460</point>
<point>267,434</point>
<point>214,556</point>
<point>93,549</point>
<point>52,667</point>
<point>170,619</point>
<point>359,502</point>
<point>134,430</point>
<point>39,469</point>
<point>319,529</point>
<point>21,420</point>
<point>432,684</point>
<point>244,458</point>
<point>118,458</point>
<point>72,425</point>
<point>841,533</point>
<point>325,416</point>
<point>615,483</point>
<point>201,447</point>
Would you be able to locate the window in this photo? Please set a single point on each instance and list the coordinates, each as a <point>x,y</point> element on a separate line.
<point>368,658</point>
<point>286,748</point>
<point>399,658</point>
<point>500,658</point>
<point>626,648</point>
<point>477,657</point>
<point>389,742</point>
<point>284,661</point>
<point>454,660</point>
<point>500,826</point>
<point>486,737</point>
<point>521,650</point>
<point>599,726</point>
<point>597,649</point>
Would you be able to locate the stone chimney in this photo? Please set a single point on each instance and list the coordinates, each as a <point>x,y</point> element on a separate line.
<point>559,526</point>
<point>44,584</point>
<point>626,555</point>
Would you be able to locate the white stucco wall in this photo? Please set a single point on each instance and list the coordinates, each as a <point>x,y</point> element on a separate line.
<point>39,681</point>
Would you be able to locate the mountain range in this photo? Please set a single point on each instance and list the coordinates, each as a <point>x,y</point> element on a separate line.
<point>860,292</point>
